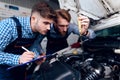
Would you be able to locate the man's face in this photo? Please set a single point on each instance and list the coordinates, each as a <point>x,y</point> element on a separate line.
<point>62,26</point>
<point>41,25</point>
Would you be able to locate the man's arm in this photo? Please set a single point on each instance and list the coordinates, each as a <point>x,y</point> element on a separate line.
<point>5,39</point>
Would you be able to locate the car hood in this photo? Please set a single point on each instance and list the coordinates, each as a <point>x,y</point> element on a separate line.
<point>105,12</point>
<point>99,8</point>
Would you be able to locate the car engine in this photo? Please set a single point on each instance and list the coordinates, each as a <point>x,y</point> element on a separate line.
<point>96,61</point>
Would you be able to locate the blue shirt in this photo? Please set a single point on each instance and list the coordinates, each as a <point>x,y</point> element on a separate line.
<point>8,33</point>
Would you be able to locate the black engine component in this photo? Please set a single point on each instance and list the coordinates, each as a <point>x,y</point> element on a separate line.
<point>101,43</point>
<point>56,71</point>
<point>92,70</point>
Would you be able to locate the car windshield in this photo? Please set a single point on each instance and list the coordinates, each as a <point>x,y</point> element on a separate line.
<point>111,32</point>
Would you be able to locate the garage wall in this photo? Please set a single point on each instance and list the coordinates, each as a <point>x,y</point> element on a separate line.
<point>23,3</point>
<point>30,3</point>
<point>23,7</point>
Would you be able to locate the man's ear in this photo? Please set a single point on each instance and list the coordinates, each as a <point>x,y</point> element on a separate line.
<point>32,18</point>
<point>32,22</point>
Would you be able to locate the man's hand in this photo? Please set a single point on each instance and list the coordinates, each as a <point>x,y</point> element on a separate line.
<point>83,25</point>
<point>26,57</point>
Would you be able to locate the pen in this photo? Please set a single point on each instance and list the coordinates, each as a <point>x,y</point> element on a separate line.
<point>25,49</point>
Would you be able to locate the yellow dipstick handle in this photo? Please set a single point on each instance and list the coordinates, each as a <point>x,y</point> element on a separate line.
<point>75,52</point>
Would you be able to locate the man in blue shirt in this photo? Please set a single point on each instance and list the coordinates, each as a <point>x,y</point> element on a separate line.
<point>16,32</point>
<point>59,32</point>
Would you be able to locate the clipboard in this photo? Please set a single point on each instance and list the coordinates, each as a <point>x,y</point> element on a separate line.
<point>29,63</point>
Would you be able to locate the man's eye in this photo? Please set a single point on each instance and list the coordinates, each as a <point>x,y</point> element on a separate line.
<point>63,25</point>
<point>46,23</point>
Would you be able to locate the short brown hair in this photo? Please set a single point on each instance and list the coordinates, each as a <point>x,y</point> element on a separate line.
<point>64,14</point>
<point>44,10</point>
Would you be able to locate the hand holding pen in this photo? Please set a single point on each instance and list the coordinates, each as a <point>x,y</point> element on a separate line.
<point>26,56</point>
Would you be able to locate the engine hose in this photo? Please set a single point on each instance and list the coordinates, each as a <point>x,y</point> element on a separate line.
<point>91,76</point>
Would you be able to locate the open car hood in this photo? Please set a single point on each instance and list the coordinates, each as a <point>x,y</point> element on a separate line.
<point>99,8</point>
<point>105,12</point>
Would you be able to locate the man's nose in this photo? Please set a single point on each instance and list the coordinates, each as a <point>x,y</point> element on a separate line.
<point>48,27</point>
<point>65,29</point>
